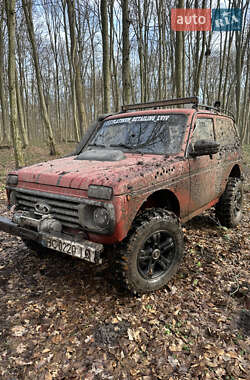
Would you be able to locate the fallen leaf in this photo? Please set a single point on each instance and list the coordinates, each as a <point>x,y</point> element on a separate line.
<point>130,334</point>
<point>18,330</point>
<point>20,348</point>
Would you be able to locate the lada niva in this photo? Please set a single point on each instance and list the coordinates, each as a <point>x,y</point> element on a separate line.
<point>133,179</point>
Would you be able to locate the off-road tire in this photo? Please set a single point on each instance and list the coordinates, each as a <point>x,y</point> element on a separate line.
<point>229,208</point>
<point>155,232</point>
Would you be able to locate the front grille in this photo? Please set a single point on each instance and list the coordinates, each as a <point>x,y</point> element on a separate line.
<point>64,209</point>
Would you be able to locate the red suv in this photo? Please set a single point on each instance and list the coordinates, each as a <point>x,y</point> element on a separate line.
<point>134,178</point>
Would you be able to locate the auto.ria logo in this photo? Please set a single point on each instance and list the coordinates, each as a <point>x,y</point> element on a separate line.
<point>206,19</point>
<point>226,19</point>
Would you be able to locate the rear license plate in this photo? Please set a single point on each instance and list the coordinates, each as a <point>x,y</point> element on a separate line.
<point>85,250</point>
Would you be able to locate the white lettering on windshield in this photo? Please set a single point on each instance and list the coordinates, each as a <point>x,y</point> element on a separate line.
<point>163,117</point>
<point>137,119</point>
<point>143,118</point>
<point>117,121</point>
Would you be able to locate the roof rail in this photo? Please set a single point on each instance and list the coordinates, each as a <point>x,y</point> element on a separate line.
<point>218,110</point>
<point>161,103</point>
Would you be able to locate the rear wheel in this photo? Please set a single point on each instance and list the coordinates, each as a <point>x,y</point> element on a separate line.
<point>152,252</point>
<point>229,207</point>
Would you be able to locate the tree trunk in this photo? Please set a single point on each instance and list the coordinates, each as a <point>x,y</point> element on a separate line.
<point>160,47</point>
<point>246,104</point>
<point>115,85</point>
<point>125,53</point>
<point>10,7</point>
<point>72,78</point>
<point>238,69</point>
<point>22,83</point>
<point>76,67</point>
<point>199,65</point>
<point>91,27</point>
<point>27,7</point>
<point>21,115</point>
<point>227,70</point>
<point>105,56</point>
<point>5,131</point>
<point>178,58</point>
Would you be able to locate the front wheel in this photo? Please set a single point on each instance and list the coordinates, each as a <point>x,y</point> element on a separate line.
<point>229,208</point>
<point>152,252</point>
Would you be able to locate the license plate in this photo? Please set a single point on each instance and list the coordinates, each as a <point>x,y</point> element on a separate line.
<point>86,250</point>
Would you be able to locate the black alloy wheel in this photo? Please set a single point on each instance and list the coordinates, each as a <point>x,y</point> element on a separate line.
<point>156,256</point>
<point>150,255</point>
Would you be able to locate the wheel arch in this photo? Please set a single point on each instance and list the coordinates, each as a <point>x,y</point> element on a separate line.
<point>235,172</point>
<point>162,199</point>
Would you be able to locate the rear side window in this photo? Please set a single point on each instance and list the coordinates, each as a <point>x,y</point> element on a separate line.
<point>225,132</point>
<point>203,130</point>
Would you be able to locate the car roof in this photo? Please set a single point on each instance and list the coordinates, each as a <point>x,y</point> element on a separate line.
<point>187,111</point>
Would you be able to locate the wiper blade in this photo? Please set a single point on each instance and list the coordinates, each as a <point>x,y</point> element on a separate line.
<point>101,145</point>
<point>122,146</point>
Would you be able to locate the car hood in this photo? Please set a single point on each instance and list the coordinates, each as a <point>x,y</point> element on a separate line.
<point>130,173</point>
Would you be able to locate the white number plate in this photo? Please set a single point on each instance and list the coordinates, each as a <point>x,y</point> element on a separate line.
<point>85,250</point>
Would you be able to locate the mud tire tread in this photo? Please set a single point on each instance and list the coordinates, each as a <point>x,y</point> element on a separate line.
<point>225,207</point>
<point>126,248</point>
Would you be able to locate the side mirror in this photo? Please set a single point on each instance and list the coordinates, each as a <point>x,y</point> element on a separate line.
<point>205,147</point>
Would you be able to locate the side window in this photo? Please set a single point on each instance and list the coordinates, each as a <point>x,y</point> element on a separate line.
<point>203,130</point>
<point>225,132</point>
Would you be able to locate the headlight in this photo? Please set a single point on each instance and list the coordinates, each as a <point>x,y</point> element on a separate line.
<point>97,216</point>
<point>100,192</point>
<point>12,179</point>
<point>101,217</point>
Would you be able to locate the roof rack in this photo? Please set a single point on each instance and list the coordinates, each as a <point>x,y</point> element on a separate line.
<point>175,102</point>
<point>161,103</point>
<point>218,110</point>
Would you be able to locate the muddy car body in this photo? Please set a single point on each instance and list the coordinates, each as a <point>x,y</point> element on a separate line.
<point>134,177</point>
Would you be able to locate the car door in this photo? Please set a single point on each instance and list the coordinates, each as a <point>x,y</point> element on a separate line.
<point>226,135</point>
<point>202,169</point>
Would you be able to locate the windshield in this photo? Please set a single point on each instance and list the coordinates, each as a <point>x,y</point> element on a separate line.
<point>159,134</point>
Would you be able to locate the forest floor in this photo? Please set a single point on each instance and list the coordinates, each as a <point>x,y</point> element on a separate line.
<point>62,318</point>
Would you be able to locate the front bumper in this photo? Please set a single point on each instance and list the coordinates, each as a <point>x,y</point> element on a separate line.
<point>83,249</point>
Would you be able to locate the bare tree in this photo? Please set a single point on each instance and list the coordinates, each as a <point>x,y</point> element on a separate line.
<point>21,115</point>
<point>105,56</point>
<point>179,58</point>
<point>125,52</point>
<point>10,8</point>
<point>93,61</point>
<point>76,66</point>
<point>27,7</point>
<point>5,132</point>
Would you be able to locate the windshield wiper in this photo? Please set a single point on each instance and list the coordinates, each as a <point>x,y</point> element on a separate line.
<point>122,146</point>
<point>100,145</point>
